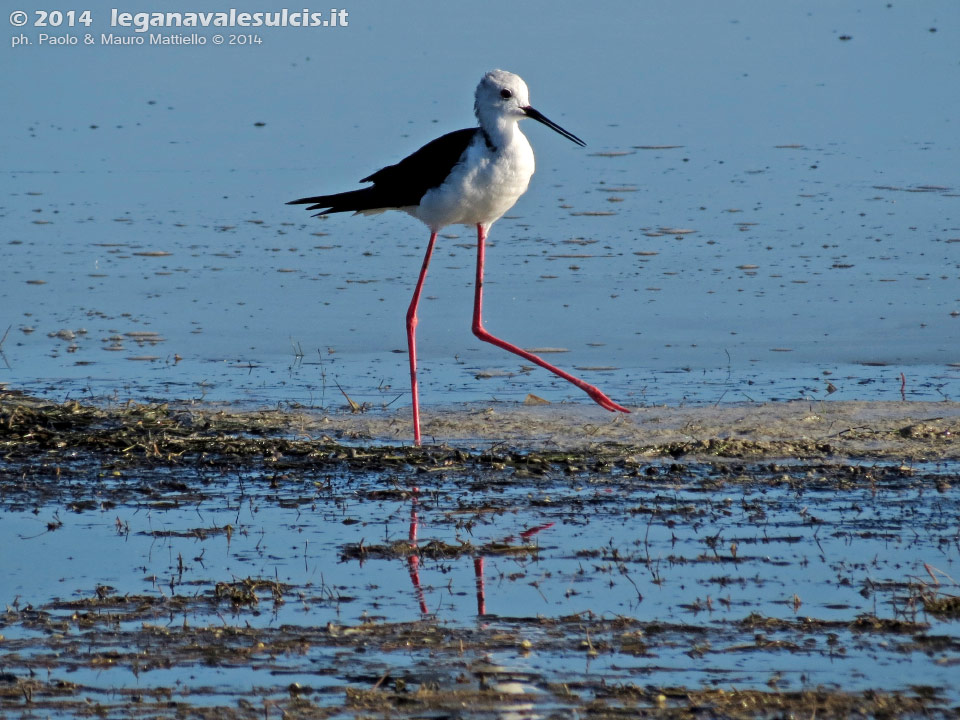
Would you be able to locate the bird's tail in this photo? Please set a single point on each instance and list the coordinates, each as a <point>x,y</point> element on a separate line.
<point>351,201</point>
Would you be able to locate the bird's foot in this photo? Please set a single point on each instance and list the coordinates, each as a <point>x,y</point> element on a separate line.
<point>603,401</point>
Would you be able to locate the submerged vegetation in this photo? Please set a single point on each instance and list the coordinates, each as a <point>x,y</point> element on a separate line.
<point>704,604</point>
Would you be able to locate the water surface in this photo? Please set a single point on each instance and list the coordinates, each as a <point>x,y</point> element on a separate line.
<point>767,203</point>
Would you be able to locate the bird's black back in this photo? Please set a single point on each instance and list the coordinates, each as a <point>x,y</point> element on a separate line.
<point>403,184</point>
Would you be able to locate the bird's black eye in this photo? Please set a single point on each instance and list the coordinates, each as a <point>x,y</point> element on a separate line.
<point>506,94</point>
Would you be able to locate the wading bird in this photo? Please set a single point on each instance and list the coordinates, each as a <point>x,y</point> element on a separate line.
<point>466,177</point>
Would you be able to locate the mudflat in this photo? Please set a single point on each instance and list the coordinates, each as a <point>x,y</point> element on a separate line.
<point>183,560</point>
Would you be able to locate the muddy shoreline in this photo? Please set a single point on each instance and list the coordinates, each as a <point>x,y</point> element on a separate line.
<point>194,641</point>
<point>795,429</point>
<point>913,431</point>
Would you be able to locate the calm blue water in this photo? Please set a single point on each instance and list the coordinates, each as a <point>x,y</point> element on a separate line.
<point>144,187</point>
<point>662,547</point>
<point>146,251</point>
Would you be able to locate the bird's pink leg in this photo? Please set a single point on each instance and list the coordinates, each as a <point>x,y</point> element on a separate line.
<point>412,337</point>
<point>478,330</point>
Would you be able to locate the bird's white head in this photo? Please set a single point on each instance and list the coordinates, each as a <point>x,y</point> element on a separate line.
<point>500,94</point>
<point>502,99</point>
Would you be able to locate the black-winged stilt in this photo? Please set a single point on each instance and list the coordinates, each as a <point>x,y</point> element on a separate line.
<point>466,177</point>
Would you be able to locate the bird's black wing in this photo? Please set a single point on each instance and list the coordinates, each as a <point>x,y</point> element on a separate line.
<point>403,184</point>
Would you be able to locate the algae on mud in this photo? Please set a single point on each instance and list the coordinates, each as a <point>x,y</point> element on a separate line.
<point>797,429</point>
<point>733,562</point>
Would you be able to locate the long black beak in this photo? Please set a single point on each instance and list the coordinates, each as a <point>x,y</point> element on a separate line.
<point>540,117</point>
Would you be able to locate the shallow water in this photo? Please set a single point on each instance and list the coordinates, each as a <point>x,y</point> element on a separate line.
<point>763,208</point>
<point>767,209</point>
<point>696,550</point>
<point>186,555</point>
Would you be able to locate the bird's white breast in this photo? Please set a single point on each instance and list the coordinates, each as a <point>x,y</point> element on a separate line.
<point>481,188</point>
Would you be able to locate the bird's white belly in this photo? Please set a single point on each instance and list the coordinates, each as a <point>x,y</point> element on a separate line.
<point>481,189</point>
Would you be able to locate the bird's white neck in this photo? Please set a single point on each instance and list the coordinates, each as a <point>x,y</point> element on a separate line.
<point>501,130</point>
